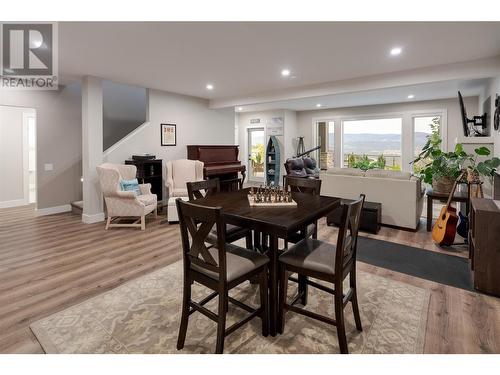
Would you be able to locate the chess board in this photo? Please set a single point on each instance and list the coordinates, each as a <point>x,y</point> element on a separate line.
<point>270,204</point>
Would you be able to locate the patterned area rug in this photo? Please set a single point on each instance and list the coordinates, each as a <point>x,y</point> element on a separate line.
<point>142,316</point>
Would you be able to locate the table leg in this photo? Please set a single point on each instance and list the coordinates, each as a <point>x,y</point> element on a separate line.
<point>429,213</point>
<point>273,284</point>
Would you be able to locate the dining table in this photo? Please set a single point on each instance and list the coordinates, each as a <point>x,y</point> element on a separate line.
<point>273,223</point>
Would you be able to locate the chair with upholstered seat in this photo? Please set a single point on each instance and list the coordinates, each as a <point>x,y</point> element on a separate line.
<point>178,173</point>
<point>219,267</point>
<point>206,188</point>
<point>327,262</point>
<point>308,186</point>
<point>120,203</point>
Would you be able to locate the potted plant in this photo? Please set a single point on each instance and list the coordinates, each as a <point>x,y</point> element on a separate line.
<point>440,168</point>
<point>486,168</point>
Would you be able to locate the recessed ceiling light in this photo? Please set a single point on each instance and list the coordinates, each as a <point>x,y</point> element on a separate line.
<point>240,108</point>
<point>210,86</point>
<point>285,72</point>
<point>411,96</point>
<point>318,105</point>
<point>396,51</point>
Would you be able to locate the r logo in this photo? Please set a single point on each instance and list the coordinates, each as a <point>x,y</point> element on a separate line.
<point>27,49</point>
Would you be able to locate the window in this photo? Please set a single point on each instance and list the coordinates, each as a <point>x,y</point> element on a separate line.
<point>422,127</point>
<point>372,143</point>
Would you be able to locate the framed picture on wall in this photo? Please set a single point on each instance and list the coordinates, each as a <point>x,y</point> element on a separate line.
<point>168,135</point>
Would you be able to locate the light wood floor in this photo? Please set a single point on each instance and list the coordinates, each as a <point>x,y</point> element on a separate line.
<point>50,263</point>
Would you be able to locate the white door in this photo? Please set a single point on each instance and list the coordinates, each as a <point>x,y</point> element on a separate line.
<point>256,154</point>
<point>14,156</point>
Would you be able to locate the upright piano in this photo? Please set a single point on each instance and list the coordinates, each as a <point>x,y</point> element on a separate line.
<point>219,162</point>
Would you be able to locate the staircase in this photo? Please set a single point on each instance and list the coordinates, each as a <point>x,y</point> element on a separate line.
<point>77,207</point>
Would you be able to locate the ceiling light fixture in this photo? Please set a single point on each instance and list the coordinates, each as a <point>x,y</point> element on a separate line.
<point>396,51</point>
<point>411,96</point>
<point>318,105</point>
<point>210,86</point>
<point>240,108</point>
<point>285,72</point>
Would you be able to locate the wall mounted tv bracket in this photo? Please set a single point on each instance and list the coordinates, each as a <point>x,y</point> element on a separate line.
<point>496,117</point>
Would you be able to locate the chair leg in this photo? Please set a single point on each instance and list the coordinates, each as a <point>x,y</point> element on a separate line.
<point>315,233</point>
<point>143,222</point>
<point>108,221</point>
<point>282,297</point>
<point>186,297</point>
<point>354,300</point>
<point>339,318</point>
<point>264,304</point>
<point>221,324</point>
<point>303,288</point>
<point>248,241</point>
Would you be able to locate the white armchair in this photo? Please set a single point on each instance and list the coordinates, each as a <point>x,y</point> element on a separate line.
<point>178,173</point>
<point>125,203</point>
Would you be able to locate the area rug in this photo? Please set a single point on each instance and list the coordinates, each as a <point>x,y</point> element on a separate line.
<point>430,265</point>
<point>142,316</point>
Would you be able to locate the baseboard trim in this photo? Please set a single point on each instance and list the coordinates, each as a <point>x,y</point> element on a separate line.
<point>53,210</point>
<point>91,219</point>
<point>13,203</point>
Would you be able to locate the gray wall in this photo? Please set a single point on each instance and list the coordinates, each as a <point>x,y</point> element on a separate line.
<point>124,109</point>
<point>59,141</point>
<point>196,124</point>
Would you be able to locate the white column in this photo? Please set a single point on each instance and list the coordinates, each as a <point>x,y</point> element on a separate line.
<point>407,135</point>
<point>91,149</point>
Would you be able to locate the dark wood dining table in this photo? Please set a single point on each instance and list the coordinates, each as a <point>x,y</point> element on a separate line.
<point>274,223</point>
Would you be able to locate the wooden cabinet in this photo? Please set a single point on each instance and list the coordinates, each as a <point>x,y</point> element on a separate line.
<point>484,245</point>
<point>150,172</point>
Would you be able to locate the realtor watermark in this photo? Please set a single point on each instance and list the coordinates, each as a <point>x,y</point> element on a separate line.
<point>29,59</point>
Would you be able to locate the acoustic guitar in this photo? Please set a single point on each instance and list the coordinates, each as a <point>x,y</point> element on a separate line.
<point>445,228</point>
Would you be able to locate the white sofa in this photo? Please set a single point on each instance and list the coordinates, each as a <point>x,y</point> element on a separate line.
<point>400,193</point>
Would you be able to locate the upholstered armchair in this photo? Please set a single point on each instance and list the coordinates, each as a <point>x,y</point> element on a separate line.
<point>125,203</point>
<point>178,173</point>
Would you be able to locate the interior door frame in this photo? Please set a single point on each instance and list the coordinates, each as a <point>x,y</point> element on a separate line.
<point>247,149</point>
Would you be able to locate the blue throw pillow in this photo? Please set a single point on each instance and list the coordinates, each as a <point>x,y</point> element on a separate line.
<point>131,185</point>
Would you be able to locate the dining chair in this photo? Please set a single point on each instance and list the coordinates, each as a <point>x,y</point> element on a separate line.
<point>205,188</point>
<point>307,186</point>
<point>219,267</point>
<point>327,262</point>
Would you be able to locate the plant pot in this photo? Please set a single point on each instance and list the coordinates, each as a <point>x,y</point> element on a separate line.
<point>473,176</point>
<point>443,185</point>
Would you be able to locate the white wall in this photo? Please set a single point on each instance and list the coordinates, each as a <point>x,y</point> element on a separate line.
<point>287,142</point>
<point>59,141</point>
<point>13,156</point>
<point>196,124</point>
<point>492,90</point>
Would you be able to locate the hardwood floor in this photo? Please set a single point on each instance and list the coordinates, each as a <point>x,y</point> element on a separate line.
<point>52,262</point>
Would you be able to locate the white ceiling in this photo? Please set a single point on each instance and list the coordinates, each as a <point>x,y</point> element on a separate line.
<point>430,91</point>
<point>245,58</point>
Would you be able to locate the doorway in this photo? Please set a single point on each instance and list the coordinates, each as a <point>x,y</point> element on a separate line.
<point>256,154</point>
<point>17,156</point>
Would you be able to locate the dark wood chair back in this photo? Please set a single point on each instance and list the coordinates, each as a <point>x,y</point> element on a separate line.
<point>303,185</point>
<point>347,239</point>
<point>201,189</point>
<point>195,223</point>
